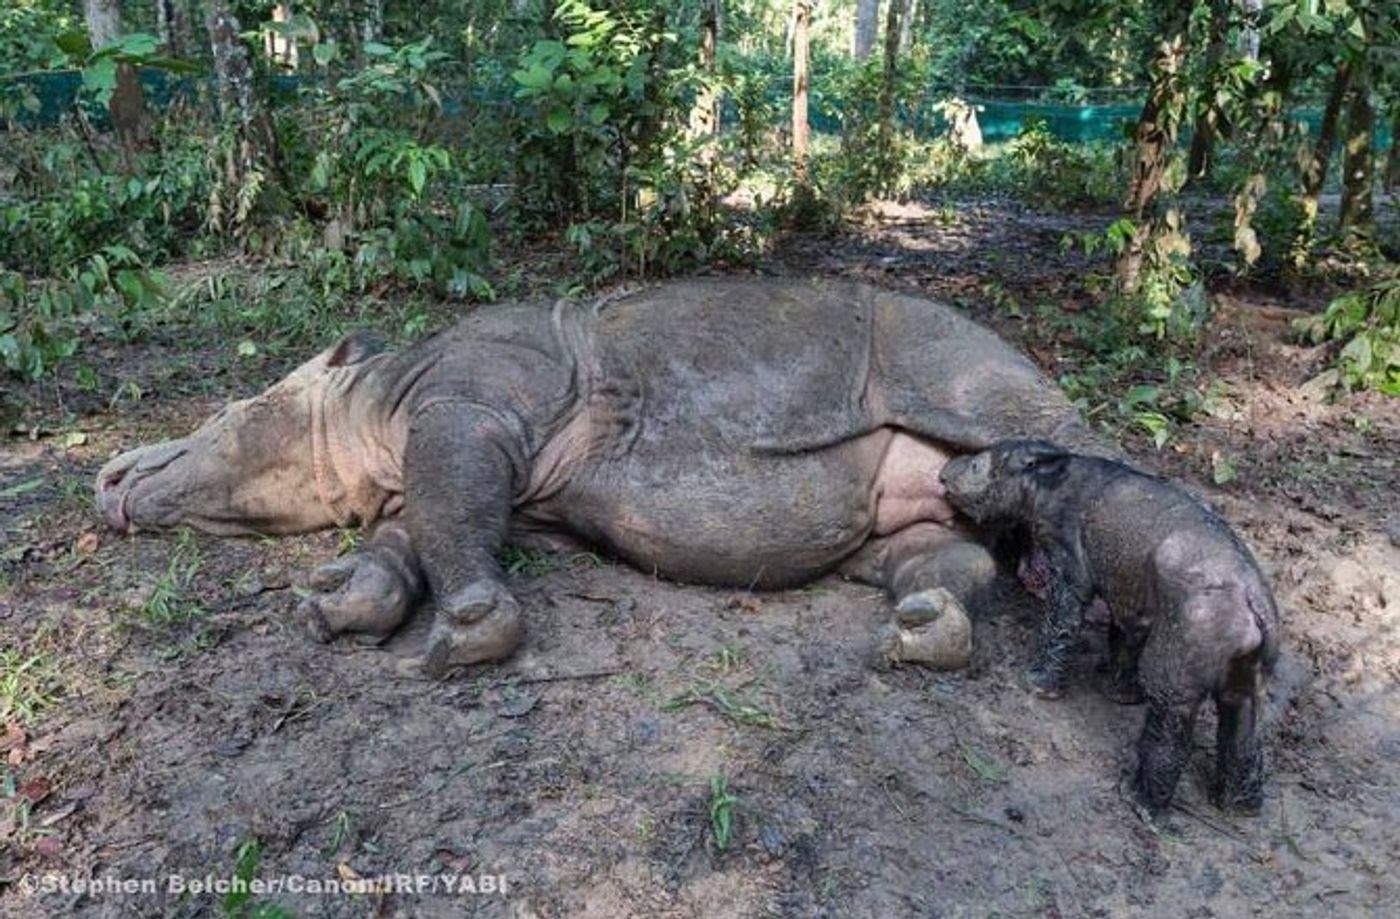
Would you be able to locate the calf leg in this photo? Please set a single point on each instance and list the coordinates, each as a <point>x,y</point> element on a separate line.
<point>1124,647</point>
<point>1164,749</point>
<point>1060,625</point>
<point>1239,759</point>
<point>1175,678</point>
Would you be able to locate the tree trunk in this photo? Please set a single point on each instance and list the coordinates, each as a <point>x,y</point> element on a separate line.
<point>885,152</point>
<point>173,27</point>
<point>1359,166</point>
<point>1208,113</point>
<point>1152,141</point>
<point>1249,36</point>
<point>704,116</point>
<point>127,106</point>
<point>801,131</point>
<point>371,21</point>
<point>280,49</point>
<point>867,27</point>
<point>906,23</point>
<point>253,139</point>
<point>1392,169</point>
<point>1315,173</point>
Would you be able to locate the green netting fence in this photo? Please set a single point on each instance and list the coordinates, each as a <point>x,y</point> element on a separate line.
<point>1000,119</point>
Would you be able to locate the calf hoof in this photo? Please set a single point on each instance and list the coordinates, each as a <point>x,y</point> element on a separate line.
<point>1044,685</point>
<point>479,623</point>
<point>313,621</point>
<point>1241,803</point>
<point>930,628</point>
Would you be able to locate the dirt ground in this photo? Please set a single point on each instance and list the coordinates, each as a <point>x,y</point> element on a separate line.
<point>182,716</point>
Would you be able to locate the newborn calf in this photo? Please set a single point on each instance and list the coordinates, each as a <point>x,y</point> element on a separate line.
<point>1190,614</point>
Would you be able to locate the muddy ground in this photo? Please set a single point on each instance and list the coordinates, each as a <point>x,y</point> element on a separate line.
<point>180,716</point>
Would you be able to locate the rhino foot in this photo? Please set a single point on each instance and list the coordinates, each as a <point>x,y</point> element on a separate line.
<point>361,592</point>
<point>930,628</point>
<point>481,622</point>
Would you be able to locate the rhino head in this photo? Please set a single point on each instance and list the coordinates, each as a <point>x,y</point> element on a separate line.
<point>259,465</point>
<point>1001,482</point>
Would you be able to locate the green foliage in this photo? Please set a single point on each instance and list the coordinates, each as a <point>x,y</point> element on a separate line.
<point>1366,324</point>
<point>1051,173</point>
<point>722,802</point>
<point>39,321</point>
<point>362,152</point>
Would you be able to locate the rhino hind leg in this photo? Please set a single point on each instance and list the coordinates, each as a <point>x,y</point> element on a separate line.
<point>368,592</point>
<point>1239,777</point>
<point>934,575</point>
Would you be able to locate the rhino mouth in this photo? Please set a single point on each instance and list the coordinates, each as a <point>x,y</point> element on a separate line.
<point>119,480</point>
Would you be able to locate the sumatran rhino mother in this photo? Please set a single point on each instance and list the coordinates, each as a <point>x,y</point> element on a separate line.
<point>754,433</point>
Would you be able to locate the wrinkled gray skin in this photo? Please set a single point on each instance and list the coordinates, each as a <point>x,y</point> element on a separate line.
<point>751,433</point>
<point>1190,615</point>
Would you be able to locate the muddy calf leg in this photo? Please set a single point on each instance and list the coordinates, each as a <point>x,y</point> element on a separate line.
<point>1124,647</point>
<point>1060,626</point>
<point>1239,758</point>
<point>1163,751</point>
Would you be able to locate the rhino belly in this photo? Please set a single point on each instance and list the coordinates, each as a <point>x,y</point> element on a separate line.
<point>755,519</point>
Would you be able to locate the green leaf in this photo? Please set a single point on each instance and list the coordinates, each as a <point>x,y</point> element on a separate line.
<point>417,176</point>
<point>74,44</point>
<point>100,78</point>
<point>137,44</point>
<point>558,120</point>
<point>14,491</point>
<point>377,49</point>
<point>1222,469</point>
<point>325,52</point>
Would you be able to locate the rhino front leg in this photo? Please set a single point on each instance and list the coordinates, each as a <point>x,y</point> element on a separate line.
<point>461,466</point>
<point>369,591</point>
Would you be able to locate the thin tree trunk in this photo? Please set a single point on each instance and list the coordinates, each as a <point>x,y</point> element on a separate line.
<point>253,138</point>
<point>371,21</point>
<point>867,26</point>
<point>1249,37</point>
<point>1152,141</point>
<point>1315,172</point>
<point>906,23</point>
<point>1392,169</point>
<point>1208,113</point>
<point>704,116</point>
<point>127,106</point>
<point>801,131</point>
<point>280,48</point>
<point>885,152</point>
<point>173,27</point>
<point>1359,167</point>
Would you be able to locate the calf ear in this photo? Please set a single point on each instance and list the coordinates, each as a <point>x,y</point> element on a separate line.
<point>354,348</point>
<point>1050,471</point>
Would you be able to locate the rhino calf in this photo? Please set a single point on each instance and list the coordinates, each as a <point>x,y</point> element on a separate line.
<point>1189,612</point>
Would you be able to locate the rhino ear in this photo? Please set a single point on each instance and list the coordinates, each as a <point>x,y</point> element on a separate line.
<point>354,348</point>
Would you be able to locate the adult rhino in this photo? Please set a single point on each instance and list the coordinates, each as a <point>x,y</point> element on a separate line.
<point>742,432</point>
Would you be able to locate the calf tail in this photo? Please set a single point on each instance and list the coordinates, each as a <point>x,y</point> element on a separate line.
<point>1265,614</point>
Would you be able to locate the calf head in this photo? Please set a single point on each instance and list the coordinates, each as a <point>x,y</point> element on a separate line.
<point>1001,482</point>
<point>251,468</point>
